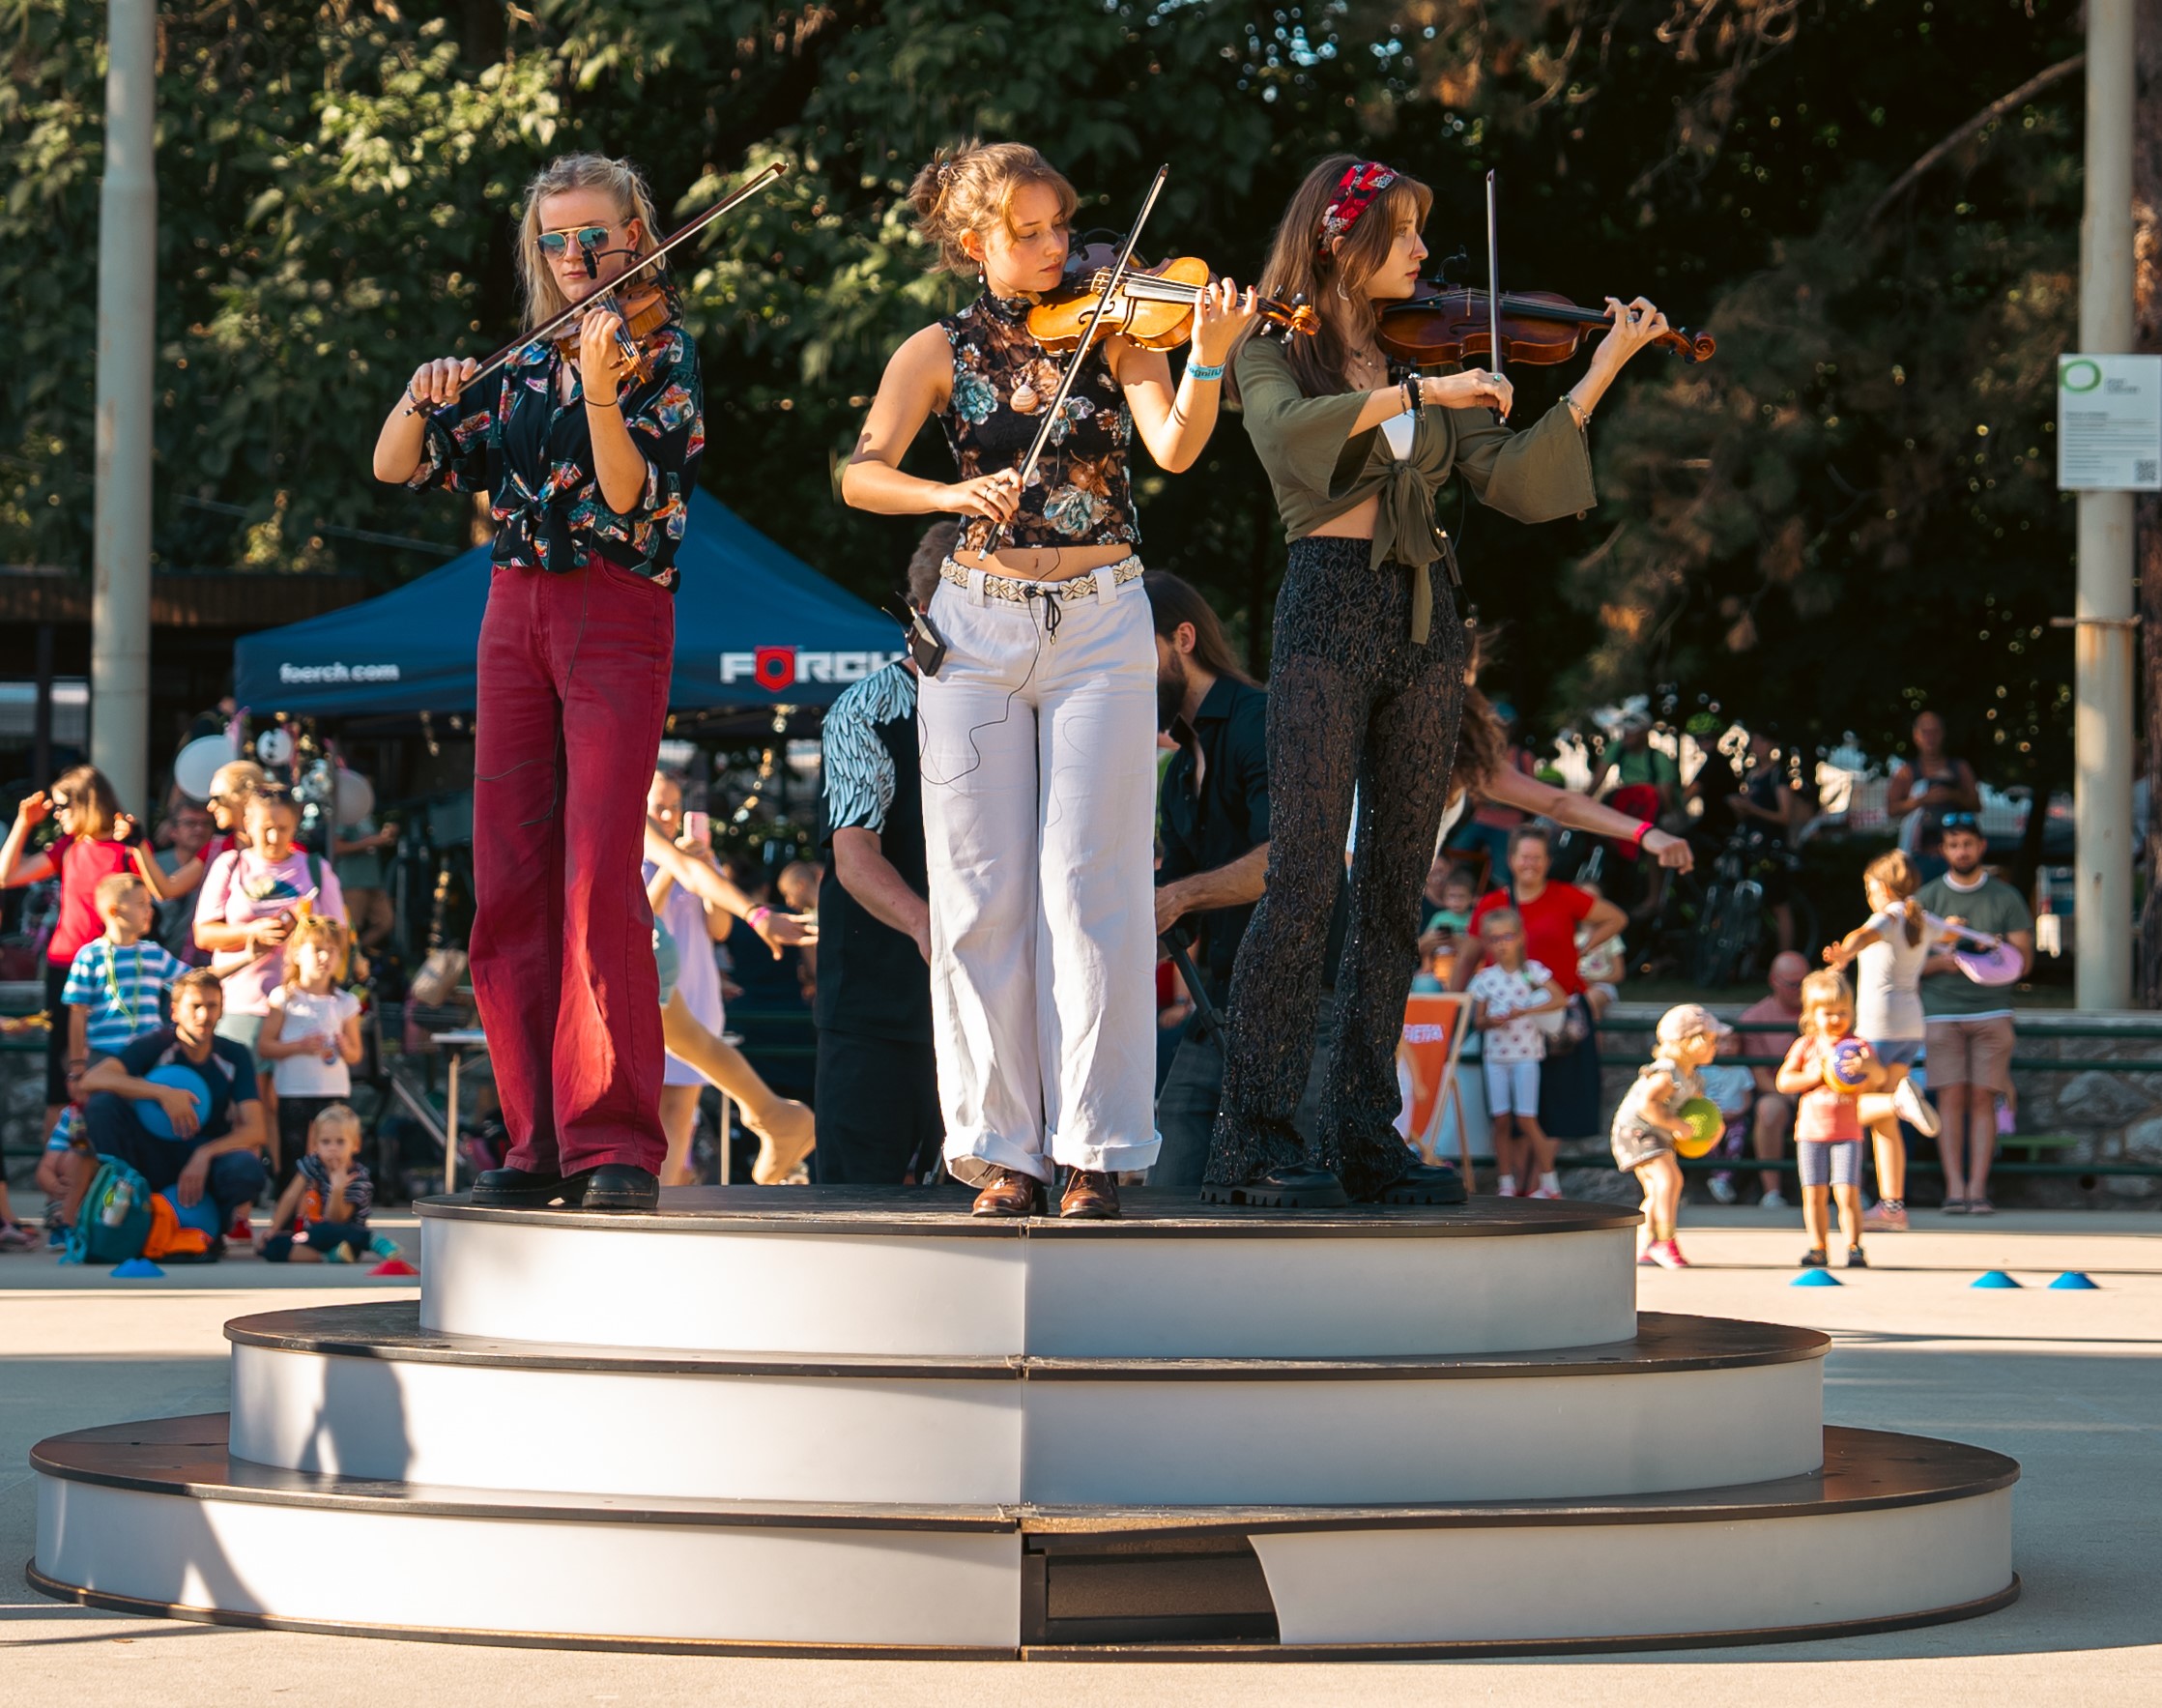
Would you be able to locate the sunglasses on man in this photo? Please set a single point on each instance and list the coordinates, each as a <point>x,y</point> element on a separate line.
<point>1960,822</point>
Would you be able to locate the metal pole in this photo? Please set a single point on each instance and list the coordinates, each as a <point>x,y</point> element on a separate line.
<point>126,310</point>
<point>2102,728</point>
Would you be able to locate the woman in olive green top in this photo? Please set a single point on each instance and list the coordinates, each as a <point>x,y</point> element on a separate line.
<point>1367,681</point>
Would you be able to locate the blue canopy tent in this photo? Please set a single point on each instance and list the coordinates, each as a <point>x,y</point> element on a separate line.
<point>755,626</point>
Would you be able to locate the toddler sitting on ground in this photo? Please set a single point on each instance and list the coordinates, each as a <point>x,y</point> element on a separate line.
<point>321,1215</point>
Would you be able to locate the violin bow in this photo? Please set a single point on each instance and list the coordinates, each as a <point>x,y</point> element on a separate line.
<point>1493,285</point>
<point>1081,352</point>
<point>735,198</point>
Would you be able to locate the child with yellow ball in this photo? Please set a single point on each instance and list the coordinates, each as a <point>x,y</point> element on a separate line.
<point>1655,1121</point>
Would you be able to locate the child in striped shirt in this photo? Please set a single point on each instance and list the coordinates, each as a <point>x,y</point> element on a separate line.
<point>116,984</point>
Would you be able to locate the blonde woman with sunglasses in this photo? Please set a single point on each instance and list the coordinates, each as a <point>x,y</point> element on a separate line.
<point>589,468</point>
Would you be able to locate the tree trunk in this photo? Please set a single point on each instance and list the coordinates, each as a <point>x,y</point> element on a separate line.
<point>2147,287</point>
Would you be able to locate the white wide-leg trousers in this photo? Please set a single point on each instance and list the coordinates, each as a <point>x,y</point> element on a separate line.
<point>1039,773</point>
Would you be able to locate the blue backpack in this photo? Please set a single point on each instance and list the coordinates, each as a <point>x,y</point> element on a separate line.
<point>113,1222</point>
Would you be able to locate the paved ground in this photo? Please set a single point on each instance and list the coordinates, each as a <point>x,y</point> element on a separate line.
<point>2068,1382</point>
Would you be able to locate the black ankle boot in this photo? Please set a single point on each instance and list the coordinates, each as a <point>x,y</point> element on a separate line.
<point>1292,1186</point>
<point>528,1188</point>
<point>1426,1183</point>
<point>622,1186</point>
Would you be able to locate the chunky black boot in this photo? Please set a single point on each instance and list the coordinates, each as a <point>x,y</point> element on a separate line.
<point>528,1188</point>
<point>622,1186</point>
<point>1427,1184</point>
<point>1289,1186</point>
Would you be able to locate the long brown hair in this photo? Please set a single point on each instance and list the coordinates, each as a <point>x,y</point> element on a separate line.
<point>972,186</point>
<point>624,184</point>
<point>1333,280</point>
<point>90,793</point>
<point>1173,601</point>
<point>1897,873</point>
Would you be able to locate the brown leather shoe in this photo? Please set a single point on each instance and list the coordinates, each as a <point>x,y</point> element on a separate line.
<point>1089,1196</point>
<point>1008,1192</point>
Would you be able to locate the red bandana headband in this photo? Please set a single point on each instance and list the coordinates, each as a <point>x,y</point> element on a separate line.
<point>1356,191</point>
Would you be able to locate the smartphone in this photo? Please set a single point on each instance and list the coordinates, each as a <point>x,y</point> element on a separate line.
<point>699,826</point>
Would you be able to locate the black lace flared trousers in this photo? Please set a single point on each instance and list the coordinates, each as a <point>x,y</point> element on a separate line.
<point>1351,701</point>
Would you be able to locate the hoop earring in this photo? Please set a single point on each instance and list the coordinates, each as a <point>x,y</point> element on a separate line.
<point>1340,291</point>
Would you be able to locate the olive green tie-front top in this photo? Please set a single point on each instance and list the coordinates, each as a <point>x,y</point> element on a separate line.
<point>1319,469</point>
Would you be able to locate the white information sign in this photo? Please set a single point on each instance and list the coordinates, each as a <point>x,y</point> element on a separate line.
<point>2109,424</point>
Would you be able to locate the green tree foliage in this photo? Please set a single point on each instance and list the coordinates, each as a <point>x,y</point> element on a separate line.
<point>1810,530</point>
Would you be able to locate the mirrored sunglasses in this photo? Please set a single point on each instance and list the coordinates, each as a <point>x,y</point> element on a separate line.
<point>588,237</point>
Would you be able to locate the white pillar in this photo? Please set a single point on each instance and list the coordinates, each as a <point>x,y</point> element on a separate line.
<point>2102,728</point>
<point>127,341</point>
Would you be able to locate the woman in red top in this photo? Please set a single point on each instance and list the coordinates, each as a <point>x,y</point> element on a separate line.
<point>1568,1083</point>
<point>97,841</point>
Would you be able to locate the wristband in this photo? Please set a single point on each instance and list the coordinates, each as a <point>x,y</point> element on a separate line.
<point>1201,370</point>
<point>1411,398</point>
<point>1644,829</point>
<point>758,914</point>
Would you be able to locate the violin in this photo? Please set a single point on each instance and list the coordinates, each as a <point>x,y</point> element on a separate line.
<point>1442,323</point>
<point>643,309</point>
<point>1153,306</point>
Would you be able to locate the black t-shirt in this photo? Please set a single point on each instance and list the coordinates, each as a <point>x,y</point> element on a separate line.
<point>1227,816</point>
<point>872,980</point>
<point>230,1071</point>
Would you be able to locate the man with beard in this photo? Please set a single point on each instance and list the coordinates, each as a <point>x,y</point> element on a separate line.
<point>1214,814</point>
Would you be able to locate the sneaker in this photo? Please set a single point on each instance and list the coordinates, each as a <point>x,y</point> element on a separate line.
<point>336,1254</point>
<point>1915,1108</point>
<point>1667,1255</point>
<point>1722,1188</point>
<point>1645,1260</point>
<point>56,1237</point>
<point>1877,1219</point>
<point>1775,1199</point>
<point>1815,1260</point>
<point>1855,1258</point>
<point>382,1246</point>
<point>15,1236</point>
<point>1507,1187</point>
<point>243,1232</point>
<point>1543,1191</point>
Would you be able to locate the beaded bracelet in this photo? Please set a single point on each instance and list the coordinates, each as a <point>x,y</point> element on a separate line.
<point>1200,370</point>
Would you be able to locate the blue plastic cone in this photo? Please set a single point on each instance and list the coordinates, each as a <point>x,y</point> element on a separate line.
<point>2072,1280</point>
<point>1815,1278</point>
<point>1994,1279</point>
<point>137,1269</point>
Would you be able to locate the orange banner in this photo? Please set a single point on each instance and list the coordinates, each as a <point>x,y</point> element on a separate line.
<point>1433,1022</point>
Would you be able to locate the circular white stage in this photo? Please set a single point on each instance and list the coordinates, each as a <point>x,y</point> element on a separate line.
<point>862,1421</point>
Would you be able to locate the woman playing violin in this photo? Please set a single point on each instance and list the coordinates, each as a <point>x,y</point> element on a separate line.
<point>589,469</point>
<point>1038,728</point>
<point>1367,678</point>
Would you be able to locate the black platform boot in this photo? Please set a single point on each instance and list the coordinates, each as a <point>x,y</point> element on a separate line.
<point>1427,1184</point>
<point>1288,1186</point>
<point>528,1188</point>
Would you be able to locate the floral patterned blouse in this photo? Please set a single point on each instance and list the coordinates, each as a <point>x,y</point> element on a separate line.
<point>1002,380</point>
<point>534,456</point>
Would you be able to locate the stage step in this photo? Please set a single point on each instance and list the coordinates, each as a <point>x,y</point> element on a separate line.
<point>362,1390</point>
<point>157,1517</point>
<point>818,1270</point>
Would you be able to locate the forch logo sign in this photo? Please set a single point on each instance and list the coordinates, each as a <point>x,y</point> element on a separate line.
<point>777,668</point>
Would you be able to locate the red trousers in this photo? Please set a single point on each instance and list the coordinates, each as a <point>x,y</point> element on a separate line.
<point>572,697</point>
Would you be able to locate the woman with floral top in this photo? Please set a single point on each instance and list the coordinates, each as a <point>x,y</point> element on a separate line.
<point>1038,730</point>
<point>588,474</point>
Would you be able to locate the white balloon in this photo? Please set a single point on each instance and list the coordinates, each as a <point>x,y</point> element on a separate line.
<point>273,746</point>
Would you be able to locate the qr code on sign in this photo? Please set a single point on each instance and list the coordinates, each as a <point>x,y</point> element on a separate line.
<point>2144,473</point>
